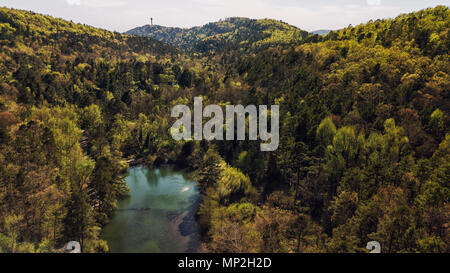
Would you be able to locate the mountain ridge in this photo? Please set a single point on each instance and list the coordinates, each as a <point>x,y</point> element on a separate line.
<point>231,32</point>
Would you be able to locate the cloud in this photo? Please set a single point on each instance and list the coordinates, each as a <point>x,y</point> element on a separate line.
<point>73,2</point>
<point>374,2</point>
<point>96,3</point>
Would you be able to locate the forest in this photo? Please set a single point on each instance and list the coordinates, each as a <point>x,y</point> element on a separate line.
<point>364,149</point>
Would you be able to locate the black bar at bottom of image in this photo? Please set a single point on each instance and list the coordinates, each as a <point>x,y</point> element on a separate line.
<point>227,262</point>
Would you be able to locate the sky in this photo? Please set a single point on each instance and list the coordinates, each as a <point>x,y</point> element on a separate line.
<point>122,15</point>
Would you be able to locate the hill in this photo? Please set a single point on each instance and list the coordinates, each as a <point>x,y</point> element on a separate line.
<point>364,142</point>
<point>230,33</point>
<point>62,84</point>
<point>69,37</point>
<point>426,30</point>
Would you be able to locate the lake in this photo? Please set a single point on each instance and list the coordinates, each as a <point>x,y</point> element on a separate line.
<point>158,214</point>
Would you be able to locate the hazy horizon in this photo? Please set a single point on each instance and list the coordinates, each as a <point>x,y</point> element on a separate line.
<point>310,16</point>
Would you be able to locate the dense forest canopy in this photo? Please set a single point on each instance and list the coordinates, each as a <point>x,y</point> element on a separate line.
<point>364,131</point>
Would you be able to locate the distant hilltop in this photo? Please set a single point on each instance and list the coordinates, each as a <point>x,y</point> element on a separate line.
<point>228,33</point>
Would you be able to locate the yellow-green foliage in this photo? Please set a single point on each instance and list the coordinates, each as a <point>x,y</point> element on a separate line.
<point>232,181</point>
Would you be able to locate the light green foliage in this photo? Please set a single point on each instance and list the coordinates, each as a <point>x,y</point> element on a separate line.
<point>231,182</point>
<point>91,117</point>
<point>326,132</point>
<point>437,125</point>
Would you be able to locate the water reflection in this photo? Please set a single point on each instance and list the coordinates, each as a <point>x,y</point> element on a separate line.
<point>158,215</point>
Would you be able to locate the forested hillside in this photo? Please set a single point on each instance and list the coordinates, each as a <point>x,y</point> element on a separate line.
<point>364,152</point>
<point>63,85</point>
<point>364,131</point>
<point>231,33</point>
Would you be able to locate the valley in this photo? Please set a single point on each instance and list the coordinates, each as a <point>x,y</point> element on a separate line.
<point>363,155</point>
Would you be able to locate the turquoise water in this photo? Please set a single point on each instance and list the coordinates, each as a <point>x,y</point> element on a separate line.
<point>158,215</point>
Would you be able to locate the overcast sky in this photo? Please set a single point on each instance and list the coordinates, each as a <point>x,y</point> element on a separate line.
<point>122,15</point>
